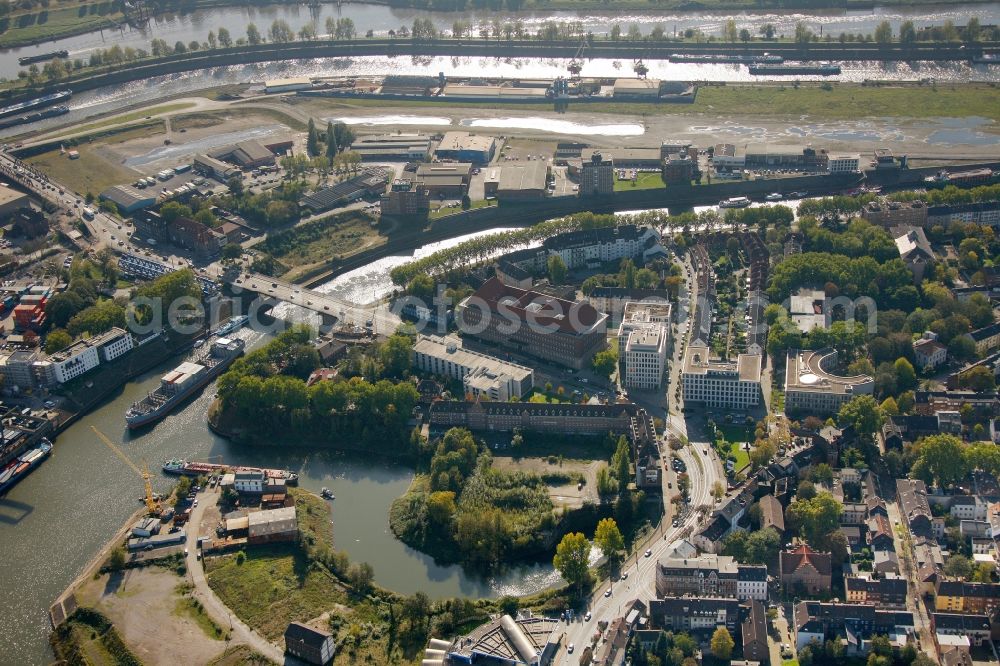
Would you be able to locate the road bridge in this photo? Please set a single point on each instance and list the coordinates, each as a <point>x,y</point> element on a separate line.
<point>332,309</point>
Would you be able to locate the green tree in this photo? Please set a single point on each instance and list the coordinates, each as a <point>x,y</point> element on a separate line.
<point>958,566</point>
<point>253,35</point>
<point>232,251</point>
<point>331,141</point>
<point>312,139</point>
<point>557,269</point>
<point>441,507</point>
<point>609,539</point>
<point>57,340</point>
<point>572,559</point>
<point>906,376</point>
<point>940,459</point>
<point>225,40</point>
<point>907,33</point>
<point>972,30</point>
<point>883,33</point>
<point>767,31</point>
<point>117,560</point>
<point>722,644</point>
<point>606,362</point>
<point>889,407</point>
<point>863,413</point>
<point>816,518</point>
<point>395,355</point>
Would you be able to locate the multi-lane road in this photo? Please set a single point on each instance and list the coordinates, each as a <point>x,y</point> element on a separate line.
<point>641,570</point>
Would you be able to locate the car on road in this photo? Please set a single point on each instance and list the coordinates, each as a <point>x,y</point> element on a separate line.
<point>586,618</point>
<point>624,575</point>
<point>676,523</point>
<point>607,593</point>
<point>185,552</point>
<point>570,648</point>
<point>649,552</point>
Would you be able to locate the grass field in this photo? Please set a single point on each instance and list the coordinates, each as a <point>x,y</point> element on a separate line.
<point>276,584</point>
<point>91,172</point>
<point>643,181</point>
<point>190,608</point>
<point>32,27</point>
<point>841,101</point>
<point>303,248</point>
<point>131,117</point>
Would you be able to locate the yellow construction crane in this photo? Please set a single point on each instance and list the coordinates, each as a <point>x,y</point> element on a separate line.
<point>151,500</point>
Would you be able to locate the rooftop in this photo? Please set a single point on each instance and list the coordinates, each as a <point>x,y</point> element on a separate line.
<point>747,367</point>
<point>455,141</point>
<point>450,348</point>
<point>807,370</point>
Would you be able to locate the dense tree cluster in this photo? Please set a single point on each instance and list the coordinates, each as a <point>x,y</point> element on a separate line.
<point>267,388</point>
<point>471,511</point>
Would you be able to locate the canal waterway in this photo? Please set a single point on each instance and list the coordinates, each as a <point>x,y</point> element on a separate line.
<point>380,19</point>
<point>53,522</point>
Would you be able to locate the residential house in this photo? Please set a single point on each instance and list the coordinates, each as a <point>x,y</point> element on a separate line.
<point>885,562</point>
<point>695,614</point>
<point>914,249</point>
<point>976,626</point>
<point>802,567</point>
<point>313,646</point>
<point>912,497</point>
<point>772,514</point>
<point>890,591</point>
<point>986,338</point>
<point>853,513</point>
<point>929,352</point>
<point>247,481</point>
<point>958,596</point>
<point>754,632</point>
<point>880,533</point>
<point>853,624</point>
<point>968,507</point>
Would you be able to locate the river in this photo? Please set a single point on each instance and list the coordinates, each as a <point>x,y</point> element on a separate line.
<point>380,19</point>
<point>53,522</point>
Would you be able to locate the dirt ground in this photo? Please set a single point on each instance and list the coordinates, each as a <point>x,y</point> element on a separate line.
<point>563,495</point>
<point>142,603</point>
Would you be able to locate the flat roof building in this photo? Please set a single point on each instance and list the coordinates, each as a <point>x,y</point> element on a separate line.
<point>466,147</point>
<point>272,525</point>
<point>811,386</point>
<point>480,374</point>
<point>643,338</point>
<point>522,180</point>
<point>129,199</point>
<point>392,146</point>
<point>806,309</point>
<point>721,384</point>
<point>11,200</point>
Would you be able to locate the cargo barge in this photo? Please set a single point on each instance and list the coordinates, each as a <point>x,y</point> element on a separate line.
<point>42,57</point>
<point>179,467</point>
<point>184,381</point>
<point>822,69</point>
<point>721,59</point>
<point>23,465</point>
<point>232,325</point>
<point>36,103</point>
<point>51,112</point>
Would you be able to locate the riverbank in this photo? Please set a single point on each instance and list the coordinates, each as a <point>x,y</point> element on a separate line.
<point>136,66</point>
<point>61,20</point>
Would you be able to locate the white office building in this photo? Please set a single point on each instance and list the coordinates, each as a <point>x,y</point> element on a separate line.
<point>643,338</point>
<point>113,344</point>
<point>481,375</point>
<point>812,387</point>
<point>844,163</point>
<point>720,384</point>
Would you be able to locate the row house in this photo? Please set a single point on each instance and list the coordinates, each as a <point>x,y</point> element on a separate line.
<point>958,596</point>
<point>976,626</point>
<point>695,614</point>
<point>802,567</point>
<point>853,624</point>
<point>711,576</point>
<point>889,591</point>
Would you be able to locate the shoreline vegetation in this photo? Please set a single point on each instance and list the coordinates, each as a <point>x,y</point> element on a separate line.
<point>36,22</point>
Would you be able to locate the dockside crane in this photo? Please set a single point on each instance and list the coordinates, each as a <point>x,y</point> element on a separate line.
<point>150,498</point>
